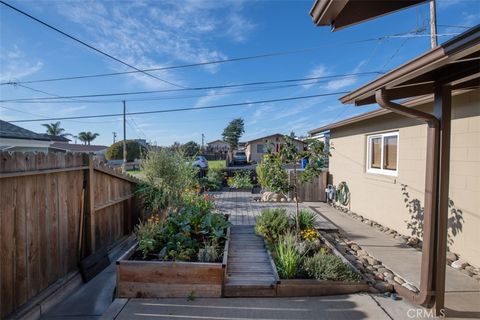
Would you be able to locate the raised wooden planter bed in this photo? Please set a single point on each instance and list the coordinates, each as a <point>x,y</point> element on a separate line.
<point>313,287</point>
<point>169,279</point>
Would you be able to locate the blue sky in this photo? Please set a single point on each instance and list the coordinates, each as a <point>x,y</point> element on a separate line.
<point>151,34</point>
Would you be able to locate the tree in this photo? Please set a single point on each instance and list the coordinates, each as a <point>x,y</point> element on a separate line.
<point>134,150</point>
<point>87,137</point>
<point>54,129</point>
<point>191,148</point>
<point>315,152</point>
<point>232,133</point>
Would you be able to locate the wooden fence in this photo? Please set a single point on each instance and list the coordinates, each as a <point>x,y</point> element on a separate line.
<point>311,191</point>
<point>55,209</point>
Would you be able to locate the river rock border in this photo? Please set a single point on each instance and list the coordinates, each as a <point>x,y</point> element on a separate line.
<point>453,259</point>
<point>375,272</point>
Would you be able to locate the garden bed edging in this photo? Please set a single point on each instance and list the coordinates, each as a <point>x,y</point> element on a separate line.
<point>170,279</point>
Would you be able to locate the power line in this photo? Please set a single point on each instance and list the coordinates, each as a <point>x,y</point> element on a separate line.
<point>189,65</point>
<point>187,108</point>
<point>86,44</point>
<point>194,88</point>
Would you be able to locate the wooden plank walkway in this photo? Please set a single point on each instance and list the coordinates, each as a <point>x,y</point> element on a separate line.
<point>249,271</point>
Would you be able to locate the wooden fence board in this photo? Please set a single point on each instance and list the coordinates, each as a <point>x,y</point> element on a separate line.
<point>41,199</point>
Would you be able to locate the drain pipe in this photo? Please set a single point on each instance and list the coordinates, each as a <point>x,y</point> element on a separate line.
<point>426,294</point>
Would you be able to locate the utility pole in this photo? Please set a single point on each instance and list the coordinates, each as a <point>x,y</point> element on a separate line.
<point>433,24</point>
<point>203,140</point>
<point>124,165</point>
<point>114,136</point>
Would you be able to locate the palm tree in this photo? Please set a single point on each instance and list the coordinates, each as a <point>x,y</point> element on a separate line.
<point>54,129</point>
<point>87,137</point>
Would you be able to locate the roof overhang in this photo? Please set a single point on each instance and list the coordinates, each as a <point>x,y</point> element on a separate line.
<point>455,63</point>
<point>344,13</point>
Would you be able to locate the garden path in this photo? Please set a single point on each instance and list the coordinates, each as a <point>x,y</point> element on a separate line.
<point>243,210</point>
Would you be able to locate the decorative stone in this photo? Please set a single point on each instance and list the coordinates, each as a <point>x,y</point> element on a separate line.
<point>471,269</point>
<point>451,257</point>
<point>467,272</point>
<point>379,276</point>
<point>398,280</point>
<point>387,276</point>
<point>372,261</point>
<point>459,264</point>
<point>378,266</point>
<point>410,287</point>
<point>370,268</point>
<point>362,253</point>
<point>412,241</point>
<point>355,247</point>
<point>382,269</point>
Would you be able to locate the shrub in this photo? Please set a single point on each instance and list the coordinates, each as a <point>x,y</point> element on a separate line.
<point>152,199</point>
<point>272,223</point>
<point>134,150</point>
<point>240,180</point>
<point>323,266</point>
<point>287,257</point>
<point>271,174</point>
<point>306,219</point>
<point>172,173</point>
<point>147,234</point>
<point>213,181</point>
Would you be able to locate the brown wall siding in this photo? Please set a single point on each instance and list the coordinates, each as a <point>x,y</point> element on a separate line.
<point>381,198</point>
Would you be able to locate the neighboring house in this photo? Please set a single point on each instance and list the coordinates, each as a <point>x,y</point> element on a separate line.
<point>323,136</point>
<point>218,146</point>
<point>381,157</point>
<point>97,150</point>
<point>256,149</point>
<point>15,138</point>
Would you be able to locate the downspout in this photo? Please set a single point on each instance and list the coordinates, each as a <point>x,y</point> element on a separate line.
<point>426,294</point>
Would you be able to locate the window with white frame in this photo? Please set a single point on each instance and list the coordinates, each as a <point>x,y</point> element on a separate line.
<point>382,153</point>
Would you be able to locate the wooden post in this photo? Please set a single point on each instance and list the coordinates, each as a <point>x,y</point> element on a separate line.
<point>90,206</point>
<point>442,110</point>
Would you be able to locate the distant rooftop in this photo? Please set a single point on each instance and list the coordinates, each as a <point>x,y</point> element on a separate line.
<point>11,131</point>
<point>78,147</point>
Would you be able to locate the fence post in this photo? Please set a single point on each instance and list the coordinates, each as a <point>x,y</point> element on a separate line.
<point>91,205</point>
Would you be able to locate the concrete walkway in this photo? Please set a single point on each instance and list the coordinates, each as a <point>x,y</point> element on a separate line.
<point>361,306</point>
<point>462,297</point>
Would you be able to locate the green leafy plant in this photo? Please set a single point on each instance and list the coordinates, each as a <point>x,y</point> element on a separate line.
<point>240,180</point>
<point>315,152</point>
<point>209,253</point>
<point>306,219</point>
<point>134,150</point>
<point>271,174</point>
<point>147,233</point>
<point>272,223</point>
<point>213,181</point>
<point>323,266</point>
<point>171,172</point>
<point>287,258</point>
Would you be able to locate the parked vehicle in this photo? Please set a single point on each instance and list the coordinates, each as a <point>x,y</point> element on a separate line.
<point>201,163</point>
<point>239,158</point>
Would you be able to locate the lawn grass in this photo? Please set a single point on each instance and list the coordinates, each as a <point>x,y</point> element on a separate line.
<point>216,164</point>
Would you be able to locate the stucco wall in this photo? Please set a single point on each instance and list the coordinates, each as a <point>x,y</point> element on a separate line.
<point>381,198</point>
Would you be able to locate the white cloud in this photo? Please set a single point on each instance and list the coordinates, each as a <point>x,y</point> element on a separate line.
<point>317,71</point>
<point>160,33</point>
<point>16,65</point>
<point>341,83</point>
